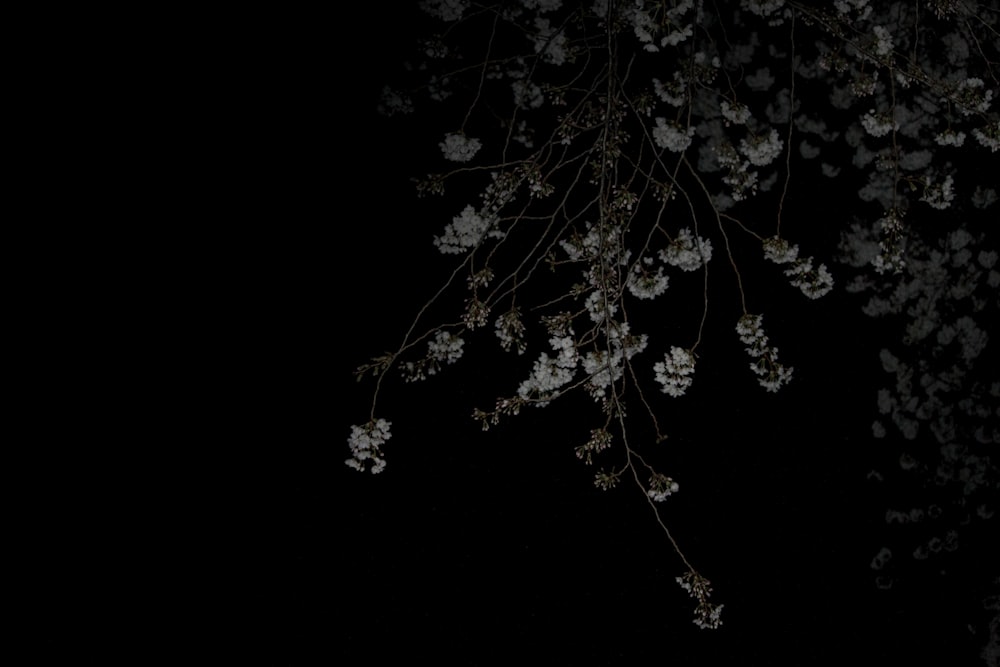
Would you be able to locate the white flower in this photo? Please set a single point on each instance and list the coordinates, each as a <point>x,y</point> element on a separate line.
<point>860,6</point>
<point>940,195</point>
<point>760,150</point>
<point>542,5</point>
<point>527,95</point>
<point>686,252</point>
<point>550,44</point>
<point>734,113</point>
<point>878,125</point>
<point>464,232</point>
<point>394,102</point>
<point>459,148</point>
<point>565,347</point>
<point>549,374</point>
<point>807,150</point>
<point>780,251</point>
<point>671,136</point>
<point>751,333</point>
<point>366,445</point>
<point>600,440</point>
<point>645,285</point>
<point>597,307</point>
<point>883,41</point>
<point>972,338</point>
<point>959,239</point>
<point>914,160</point>
<point>885,402</point>
<point>706,615</point>
<point>972,101</point>
<point>446,10</point>
<point>814,283</point>
<point>763,7</point>
<point>603,368</point>
<point>989,136</point>
<point>771,375</point>
<point>510,331</point>
<point>950,138</point>
<point>642,25</point>
<point>760,80</point>
<point>661,487</point>
<point>984,197</point>
<point>677,36</point>
<point>675,93</point>
<point>675,371</point>
<point>445,348</point>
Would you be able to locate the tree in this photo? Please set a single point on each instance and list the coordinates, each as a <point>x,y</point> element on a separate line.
<point>617,148</point>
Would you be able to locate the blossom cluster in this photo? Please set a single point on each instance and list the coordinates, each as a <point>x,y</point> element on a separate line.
<point>950,137</point>
<point>600,305</point>
<point>763,7</point>
<point>527,95</point>
<point>445,10</point>
<point>604,366</point>
<point>771,375</point>
<point>891,248</point>
<point>814,282</point>
<point>878,124</point>
<point>761,150</point>
<point>464,232</point>
<point>687,252</point>
<point>883,40</point>
<point>940,195</point>
<point>971,101</point>
<point>736,113</point>
<point>672,92</point>
<point>675,372</point>
<point>543,6</point>
<point>671,136</point>
<point>551,373</point>
<point>645,27</point>
<point>459,148</point>
<point>394,102</point>
<point>550,42</point>
<point>706,615</point>
<point>366,445</point>
<point>742,180</point>
<point>510,331</point>
<point>644,283</point>
<point>988,136</point>
<point>599,440</point>
<point>606,480</point>
<point>661,487</point>
<point>445,348</point>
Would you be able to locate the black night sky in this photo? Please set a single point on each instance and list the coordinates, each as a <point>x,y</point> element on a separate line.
<point>483,548</point>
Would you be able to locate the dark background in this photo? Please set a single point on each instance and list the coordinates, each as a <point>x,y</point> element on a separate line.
<point>478,548</point>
